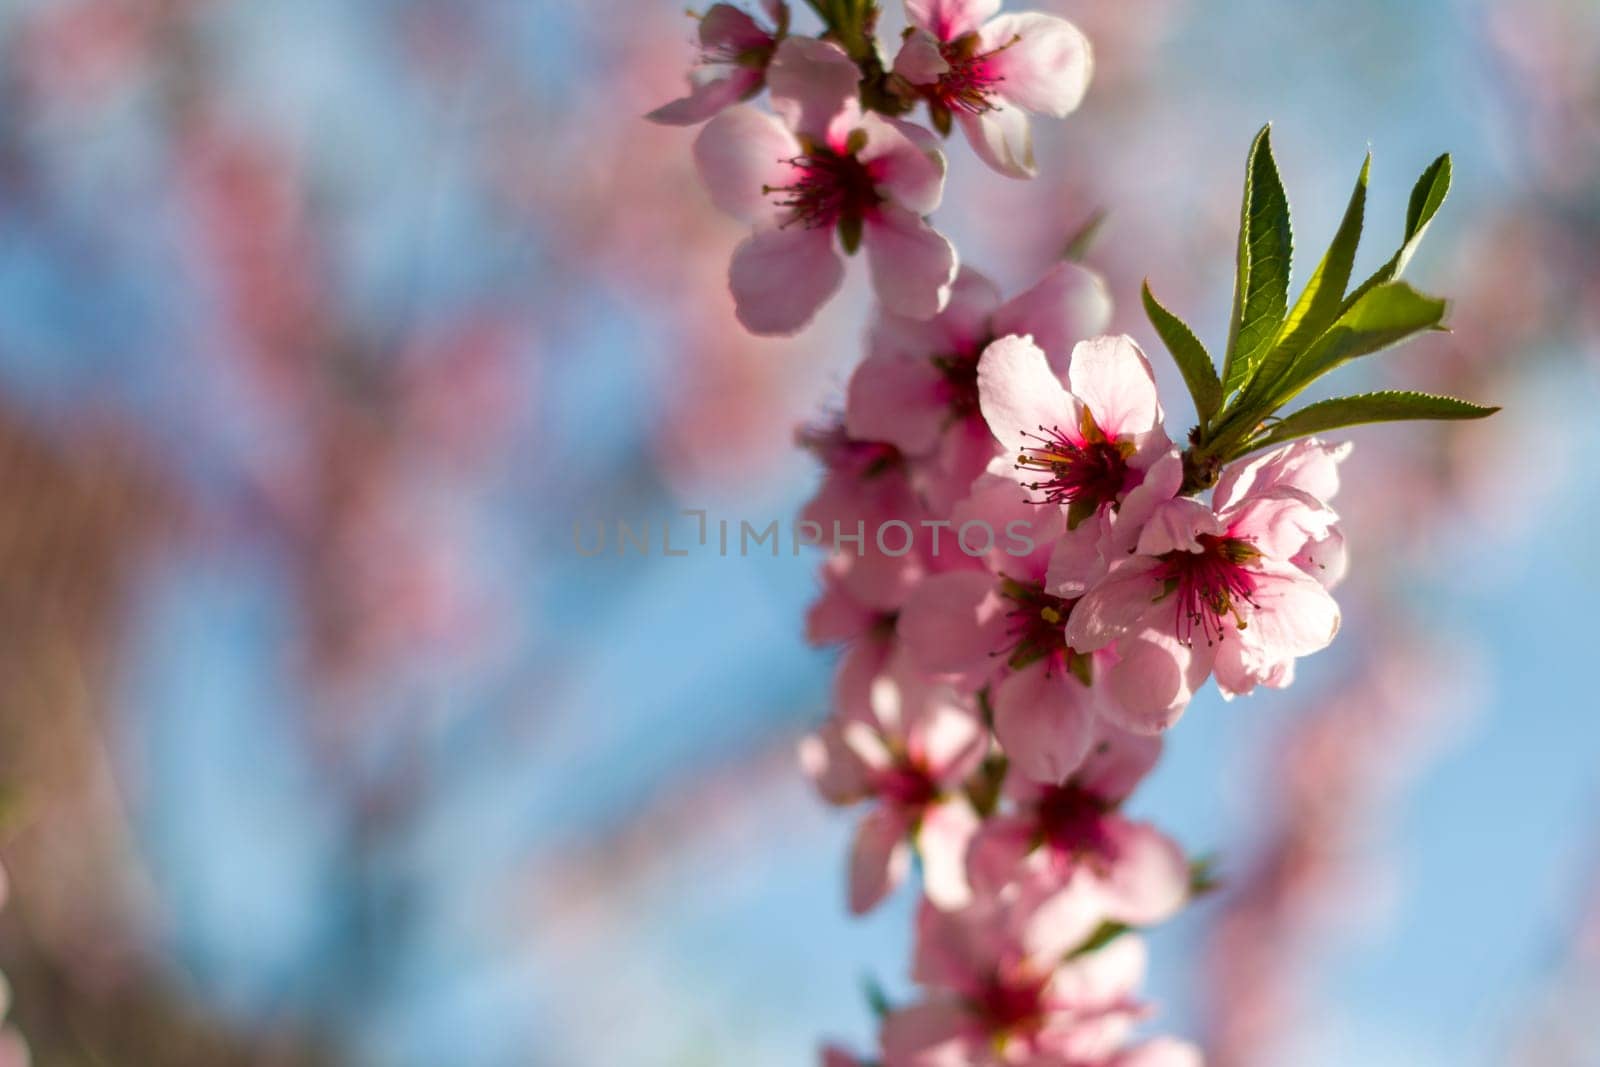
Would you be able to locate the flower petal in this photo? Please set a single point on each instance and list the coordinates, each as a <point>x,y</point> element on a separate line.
<point>1116,604</point>
<point>1002,138</point>
<point>781,278</point>
<point>919,60</point>
<point>949,19</point>
<point>810,83</point>
<point>740,152</point>
<point>707,98</point>
<point>911,263</point>
<point>1044,63</point>
<point>1044,721</point>
<point>897,400</point>
<point>953,622</point>
<point>1114,380</point>
<point>935,1033</point>
<point>1152,682</point>
<point>1148,881</point>
<point>905,163</point>
<point>880,857</point>
<point>1019,394</point>
<point>1067,305</point>
<point>943,836</point>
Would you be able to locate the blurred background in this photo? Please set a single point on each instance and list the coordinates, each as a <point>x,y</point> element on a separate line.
<point>322,324</point>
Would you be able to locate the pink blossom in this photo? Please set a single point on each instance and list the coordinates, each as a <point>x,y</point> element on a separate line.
<point>834,1056</point>
<point>910,749</point>
<point>819,168</point>
<point>1072,836</point>
<point>1229,581</point>
<point>734,52</point>
<point>1002,990</point>
<point>988,73</point>
<point>866,508</point>
<point>1085,445</point>
<point>918,387</point>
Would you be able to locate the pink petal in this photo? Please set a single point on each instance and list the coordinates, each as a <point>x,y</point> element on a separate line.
<point>1152,682</point>
<point>1018,393</point>
<point>725,27</point>
<point>1116,604</point>
<point>833,766</point>
<point>1149,880</point>
<point>936,1033</point>
<point>1067,305</point>
<point>955,950</point>
<point>811,82</point>
<point>965,452</point>
<point>834,1056</point>
<point>1054,921</point>
<point>949,19</point>
<point>738,153</point>
<point>1112,377</point>
<point>1293,615</point>
<point>1118,762</point>
<point>952,623</point>
<point>879,858</point>
<point>1325,559</point>
<point>780,278</point>
<point>958,330</point>
<point>997,510</point>
<point>897,400</point>
<point>905,163</point>
<point>1161,483</point>
<point>1161,1052</point>
<point>997,852</point>
<point>1175,526</point>
<point>912,265</point>
<point>947,739</point>
<point>1045,64</point>
<point>1075,560</point>
<point>1044,721</point>
<point>1003,139</point>
<point>1309,465</point>
<point>943,835</point>
<point>1102,978</point>
<point>1279,521</point>
<point>919,60</point>
<point>707,98</point>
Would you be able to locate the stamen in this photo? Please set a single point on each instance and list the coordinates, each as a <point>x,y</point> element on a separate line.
<point>1209,585</point>
<point>1092,471</point>
<point>969,86</point>
<point>828,187</point>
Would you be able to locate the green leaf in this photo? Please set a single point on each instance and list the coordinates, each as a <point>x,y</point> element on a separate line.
<point>1261,286</point>
<point>877,999</point>
<point>1389,406</point>
<point>1319,304</point>
<point>1427,196</point>
<point>1199,372</point>
<point>1382,317</point>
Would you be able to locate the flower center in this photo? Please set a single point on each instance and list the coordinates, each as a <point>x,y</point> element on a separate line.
<point>828,187</point>
<point>968,87</point>
<point>1089,470</point>
<point>907,785</point>
<point>1071,822</point>
<point>960,385</point>
<point>837,450</point>
<point>1210,584</point>
<point>1036,629</point>
<point>1010,1002</point>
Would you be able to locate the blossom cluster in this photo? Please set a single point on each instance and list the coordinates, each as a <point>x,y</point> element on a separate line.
<point>993,710</point>
<point>836,167</point>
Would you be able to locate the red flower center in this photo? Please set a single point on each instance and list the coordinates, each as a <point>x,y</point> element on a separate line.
<point>960,385</point>
<point>1011,1000</point>
<point>1088,469</point>
<point>1036,629</point>
<point>1072,823</point>
<point>1210,584</point>
<point>907,785</point>
<point>828,187</point>
<point>968,87</point>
